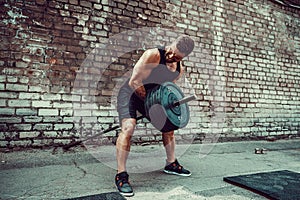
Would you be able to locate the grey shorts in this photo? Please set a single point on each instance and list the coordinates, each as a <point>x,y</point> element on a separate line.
<point>128,103</point>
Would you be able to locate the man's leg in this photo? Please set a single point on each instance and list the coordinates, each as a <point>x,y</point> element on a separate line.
<point>123,149</point>
<point>123,142</point>
<point>173,166</point>
<point>169,144</point>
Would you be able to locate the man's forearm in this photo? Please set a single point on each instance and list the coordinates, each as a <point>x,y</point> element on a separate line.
<point>138,88</point>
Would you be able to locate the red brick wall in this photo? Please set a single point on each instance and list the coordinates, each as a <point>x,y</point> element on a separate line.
<point>60,68</point>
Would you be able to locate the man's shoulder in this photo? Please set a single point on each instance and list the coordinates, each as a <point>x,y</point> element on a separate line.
<point>151,55</point>
<point>154,53</point>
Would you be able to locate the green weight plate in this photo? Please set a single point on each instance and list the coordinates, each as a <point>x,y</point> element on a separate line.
<point>171,99</point>
<point>173,117</point>
<point>179,115</point>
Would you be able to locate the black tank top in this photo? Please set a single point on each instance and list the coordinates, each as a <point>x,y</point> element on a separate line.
<point>159,74</point>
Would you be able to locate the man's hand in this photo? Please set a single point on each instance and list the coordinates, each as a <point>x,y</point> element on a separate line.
<point>141,92</point>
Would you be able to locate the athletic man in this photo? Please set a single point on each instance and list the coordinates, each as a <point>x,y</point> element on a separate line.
<point>155,66</point>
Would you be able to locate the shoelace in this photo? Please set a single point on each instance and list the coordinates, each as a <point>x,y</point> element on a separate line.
<point>122,181</point>
<point>177,166</point>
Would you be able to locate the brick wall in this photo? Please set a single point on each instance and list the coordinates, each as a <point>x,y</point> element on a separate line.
<point>62,62</point>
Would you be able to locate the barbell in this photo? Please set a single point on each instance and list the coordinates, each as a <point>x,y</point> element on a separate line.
<point>165,107</point>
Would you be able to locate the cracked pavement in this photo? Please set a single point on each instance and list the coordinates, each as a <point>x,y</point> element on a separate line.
<point>55,174</point>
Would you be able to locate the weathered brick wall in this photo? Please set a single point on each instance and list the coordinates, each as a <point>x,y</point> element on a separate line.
<point>61,65</point>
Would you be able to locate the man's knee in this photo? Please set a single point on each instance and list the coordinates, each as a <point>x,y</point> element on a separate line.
<point>168,134</point>
<point>128,126</point>
<point>168,137</point>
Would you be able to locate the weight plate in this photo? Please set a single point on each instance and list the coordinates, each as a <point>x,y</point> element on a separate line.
<point>159,109</point>
<point>179,115</point>
<point>171,99</point>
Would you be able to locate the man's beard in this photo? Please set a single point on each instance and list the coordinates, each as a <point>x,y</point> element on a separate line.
<point>168,60</point>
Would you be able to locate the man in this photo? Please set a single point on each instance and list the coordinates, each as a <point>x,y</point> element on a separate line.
<point>155,67</point>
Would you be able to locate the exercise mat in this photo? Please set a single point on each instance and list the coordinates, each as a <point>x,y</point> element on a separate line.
<point>103,196</point>
<point>283,185</point>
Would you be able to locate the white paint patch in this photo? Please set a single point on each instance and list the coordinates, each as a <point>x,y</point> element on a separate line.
<point>15,15</point>
<point>180,193</point>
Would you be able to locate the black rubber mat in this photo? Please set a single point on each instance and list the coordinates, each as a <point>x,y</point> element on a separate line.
<point>283,185</point>
<point>103,196</point>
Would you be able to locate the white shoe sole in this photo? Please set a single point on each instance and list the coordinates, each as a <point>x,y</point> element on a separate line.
<point>175,173</point>
<point>127,194</point>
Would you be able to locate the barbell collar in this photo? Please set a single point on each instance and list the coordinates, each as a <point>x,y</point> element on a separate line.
<point>184,100</point>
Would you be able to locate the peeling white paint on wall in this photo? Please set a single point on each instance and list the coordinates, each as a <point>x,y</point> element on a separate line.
<point>15,14</point>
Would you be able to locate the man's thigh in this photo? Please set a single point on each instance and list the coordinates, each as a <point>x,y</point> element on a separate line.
<point>128,103</point>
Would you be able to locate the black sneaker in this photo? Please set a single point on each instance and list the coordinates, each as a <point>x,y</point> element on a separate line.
<point>123,184</point>
<point>176,169</point>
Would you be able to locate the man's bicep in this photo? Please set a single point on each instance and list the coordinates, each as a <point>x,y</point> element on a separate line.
<point>146,63</point>
<point>149,59</point>
<point>143,68</point>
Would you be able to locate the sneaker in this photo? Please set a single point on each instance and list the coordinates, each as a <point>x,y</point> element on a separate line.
<point>123,184</point>
<point>176,169</point>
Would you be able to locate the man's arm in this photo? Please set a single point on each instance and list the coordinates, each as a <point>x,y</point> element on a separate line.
<point>181,72</point>
<point>148,61</point>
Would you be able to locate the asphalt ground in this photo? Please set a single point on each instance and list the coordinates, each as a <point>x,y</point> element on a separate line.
<point>58,174</point>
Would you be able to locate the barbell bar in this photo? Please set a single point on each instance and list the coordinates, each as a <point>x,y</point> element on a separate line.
<point>75,143</point>
<point>184,100</point>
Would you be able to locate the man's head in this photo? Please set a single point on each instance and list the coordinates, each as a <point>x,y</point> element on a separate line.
<point>180,48</point>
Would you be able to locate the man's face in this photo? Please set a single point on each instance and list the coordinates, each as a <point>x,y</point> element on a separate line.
<point>173,55</point>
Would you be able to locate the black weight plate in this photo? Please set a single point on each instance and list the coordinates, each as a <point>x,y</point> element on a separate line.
<point>149,101</point>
